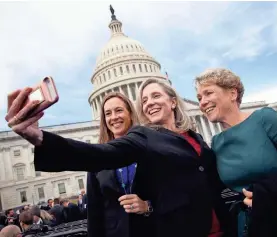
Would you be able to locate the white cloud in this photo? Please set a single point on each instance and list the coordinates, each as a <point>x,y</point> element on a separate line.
<point>38,39</point>
<point>267,93</point>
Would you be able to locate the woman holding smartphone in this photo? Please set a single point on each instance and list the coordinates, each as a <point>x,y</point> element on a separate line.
<point>176,169</point>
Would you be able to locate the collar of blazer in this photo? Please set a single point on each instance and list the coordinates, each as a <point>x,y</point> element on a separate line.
<point>193,134</point>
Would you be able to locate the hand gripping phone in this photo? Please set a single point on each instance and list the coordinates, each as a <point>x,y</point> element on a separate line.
<point>46,93</point>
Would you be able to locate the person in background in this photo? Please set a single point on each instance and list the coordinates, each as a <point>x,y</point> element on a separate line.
<point>11,217</point>
<point>245,151</point>
<point>57,212</point>
<point>46,218</point>
<point>26,220</point>
<point>10,231</point>
<point>71,211</point>
<point>106,217</point>
<point>176,170</point>
<point>80,201</point>
<point>35,210</point>
<point>50,204</point>
<point>3,219</point>
<point>84,200</point>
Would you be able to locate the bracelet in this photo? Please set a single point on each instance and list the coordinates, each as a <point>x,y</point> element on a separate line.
<point>149,209</point>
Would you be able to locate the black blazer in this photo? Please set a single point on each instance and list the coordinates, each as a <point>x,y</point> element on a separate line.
<point>106,218</point>
<point>182,186</point>
<point>264,207</point>
<point>72,213</point>
<point>84,201</point>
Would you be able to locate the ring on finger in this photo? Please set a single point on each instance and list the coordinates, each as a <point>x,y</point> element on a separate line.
<point>16,120</point>
<point>132,206</point>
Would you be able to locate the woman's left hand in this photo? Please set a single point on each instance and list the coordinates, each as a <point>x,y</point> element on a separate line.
<point>248,197</point>
<point>133,204</point>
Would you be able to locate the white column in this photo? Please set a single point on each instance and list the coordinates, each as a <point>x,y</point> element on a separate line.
<point>98,107</point>
<point>212,128</point>
<point>205,131</point>
<point>25,155</point>
<point>93,108</point>
<point>8,164</point>
<point>195,123</point>
<point>129,92</point>
<point>120,90</point>
<point>219,127</point>
<point>137,87</point>
<point>2,166</point>
<point>101,99</point>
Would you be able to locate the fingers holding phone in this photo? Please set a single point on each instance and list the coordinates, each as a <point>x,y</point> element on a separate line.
<point>16,108</point>
<point>25,108</point>
<point>16,116</point>
<point>16,100</point>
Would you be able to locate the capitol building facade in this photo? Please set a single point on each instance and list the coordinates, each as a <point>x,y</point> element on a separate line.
<point>122,65</point>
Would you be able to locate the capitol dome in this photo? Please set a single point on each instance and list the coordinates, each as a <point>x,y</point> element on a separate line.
<point>121,66</point>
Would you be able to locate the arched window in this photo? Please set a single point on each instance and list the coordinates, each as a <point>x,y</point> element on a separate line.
<point>134,68</point>
<point>140,68</point>
<point>127,69</point>
<point>121,70</point>
<point>104,77</point>
<point>109,74</point>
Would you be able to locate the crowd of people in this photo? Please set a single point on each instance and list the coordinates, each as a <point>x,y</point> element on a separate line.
<point>152,175</point>
<point>32,219</point>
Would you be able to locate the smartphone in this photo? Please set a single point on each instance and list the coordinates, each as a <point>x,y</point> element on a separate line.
<point>46,93</point>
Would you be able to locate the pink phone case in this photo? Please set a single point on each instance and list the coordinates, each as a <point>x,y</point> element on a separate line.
<point>46,93</point>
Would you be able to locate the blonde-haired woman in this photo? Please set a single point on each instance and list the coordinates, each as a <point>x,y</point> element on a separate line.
<point>47,219</point>
<point>246,149</point>
<point>106,217</point>
<point>176,169</point>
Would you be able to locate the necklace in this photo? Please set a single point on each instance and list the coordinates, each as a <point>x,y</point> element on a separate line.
<point>129,181</point>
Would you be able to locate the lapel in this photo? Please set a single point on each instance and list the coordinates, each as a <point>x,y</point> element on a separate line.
<point>107,178</point>
<point>193,134</point>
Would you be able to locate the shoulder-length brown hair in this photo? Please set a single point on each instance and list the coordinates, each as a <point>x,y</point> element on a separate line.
<point>105,134</point>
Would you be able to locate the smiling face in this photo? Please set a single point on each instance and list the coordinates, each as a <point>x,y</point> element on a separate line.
<point>216,102</point>
<point>117,117</point>
<point>157,106</point>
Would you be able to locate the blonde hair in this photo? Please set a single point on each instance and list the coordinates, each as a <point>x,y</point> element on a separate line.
<point>105,134</point>
<point>182,120</point>
<point>223,78</point>
<point>45,215</point>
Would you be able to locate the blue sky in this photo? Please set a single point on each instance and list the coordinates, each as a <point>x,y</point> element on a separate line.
<point>63,39</point>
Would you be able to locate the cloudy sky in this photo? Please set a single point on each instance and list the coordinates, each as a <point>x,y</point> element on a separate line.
<point>63,39</point>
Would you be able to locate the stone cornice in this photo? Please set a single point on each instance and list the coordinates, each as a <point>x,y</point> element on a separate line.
<point>11,136</point>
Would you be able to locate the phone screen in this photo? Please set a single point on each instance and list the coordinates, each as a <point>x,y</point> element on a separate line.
<point>36,95</point>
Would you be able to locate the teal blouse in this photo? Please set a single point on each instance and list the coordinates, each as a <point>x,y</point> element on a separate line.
<point>246,152</point>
